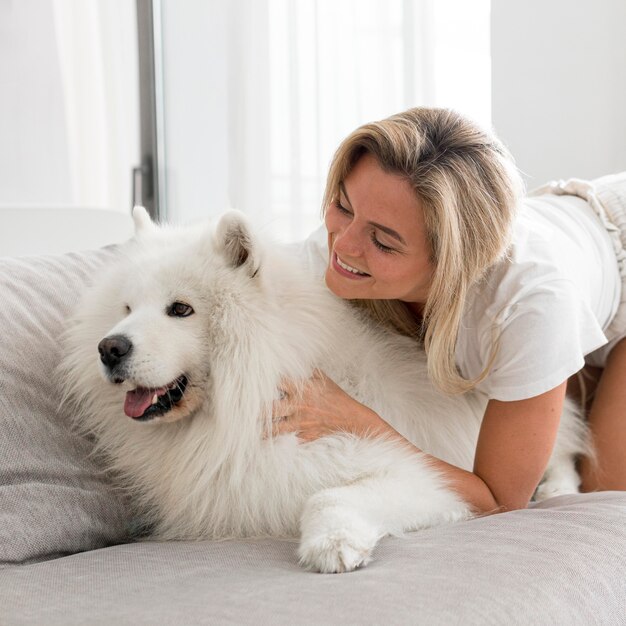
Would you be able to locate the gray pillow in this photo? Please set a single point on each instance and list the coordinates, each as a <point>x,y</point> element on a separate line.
<point>54,499</point>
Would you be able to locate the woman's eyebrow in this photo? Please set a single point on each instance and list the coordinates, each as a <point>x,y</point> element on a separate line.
<point>385,229</point>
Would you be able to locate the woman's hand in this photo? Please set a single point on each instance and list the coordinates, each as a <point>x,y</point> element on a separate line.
<point>322,408</point>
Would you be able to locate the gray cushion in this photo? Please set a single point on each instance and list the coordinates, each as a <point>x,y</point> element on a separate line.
<point>53,498</point>
<point>561,562</point>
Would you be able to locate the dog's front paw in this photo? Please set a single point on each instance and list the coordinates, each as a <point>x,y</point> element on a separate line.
<point>559,480</point>
<point>550,489</point>
<point>336,540</point>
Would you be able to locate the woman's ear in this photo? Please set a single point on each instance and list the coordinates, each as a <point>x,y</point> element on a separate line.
<point>234,239</point>
<point>143,222</point>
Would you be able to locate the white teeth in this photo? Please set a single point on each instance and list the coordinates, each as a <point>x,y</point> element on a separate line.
<point>155,399</point>
<point>347,267</point>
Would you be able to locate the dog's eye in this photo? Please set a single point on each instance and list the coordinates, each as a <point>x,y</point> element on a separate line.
<point>179,309</point>
<point>127,309</point>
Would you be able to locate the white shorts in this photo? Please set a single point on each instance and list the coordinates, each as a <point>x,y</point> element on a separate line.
<point>607,196</point>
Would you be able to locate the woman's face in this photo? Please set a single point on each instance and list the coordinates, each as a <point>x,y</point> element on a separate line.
<point>377,238</point>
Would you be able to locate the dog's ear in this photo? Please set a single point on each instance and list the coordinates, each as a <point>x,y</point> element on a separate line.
<point>143,222</point>
<point>234,238</point>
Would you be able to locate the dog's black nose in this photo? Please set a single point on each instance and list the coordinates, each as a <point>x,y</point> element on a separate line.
<point>114,349</point>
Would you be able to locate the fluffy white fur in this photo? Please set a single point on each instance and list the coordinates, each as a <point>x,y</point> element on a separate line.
<point>206,470</point>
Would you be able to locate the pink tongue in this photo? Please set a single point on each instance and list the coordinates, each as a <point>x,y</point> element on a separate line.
<point>138,400</point>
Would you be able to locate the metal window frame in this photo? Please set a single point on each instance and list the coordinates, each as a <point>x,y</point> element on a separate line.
<point>149,183</point>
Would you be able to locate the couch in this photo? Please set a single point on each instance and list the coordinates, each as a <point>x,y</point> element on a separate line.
<point>68,553</point>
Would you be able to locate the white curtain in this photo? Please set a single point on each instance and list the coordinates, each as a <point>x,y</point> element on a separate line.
<point>69,119</point>
<point>97,55</point>
<point>259,93</point>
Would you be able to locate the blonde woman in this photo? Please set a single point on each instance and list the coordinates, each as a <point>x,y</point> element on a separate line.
<point>427,229</point>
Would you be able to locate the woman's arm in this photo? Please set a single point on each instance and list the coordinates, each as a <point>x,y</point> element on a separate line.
<point>515,443</point>
<point>513,450</point>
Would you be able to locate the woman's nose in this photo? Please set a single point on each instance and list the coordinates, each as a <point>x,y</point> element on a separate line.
<point>347,242</point>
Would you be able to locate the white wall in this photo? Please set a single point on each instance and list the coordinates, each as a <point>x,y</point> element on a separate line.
<point>559,86</point>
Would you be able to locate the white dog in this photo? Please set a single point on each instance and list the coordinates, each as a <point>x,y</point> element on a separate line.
<point>175,358</point>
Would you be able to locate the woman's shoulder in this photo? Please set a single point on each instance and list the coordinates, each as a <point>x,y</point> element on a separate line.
<point>536,317</point>
<point>536,263</point>
<point>509,283</point>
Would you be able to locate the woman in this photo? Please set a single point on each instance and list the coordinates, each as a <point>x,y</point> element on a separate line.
<point>425,230</point>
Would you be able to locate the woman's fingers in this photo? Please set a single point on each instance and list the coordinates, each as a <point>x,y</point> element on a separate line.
<point>281,409</point>
<point>288,387</point>
<point>290,411</point>
<point>292,388</point>
<point>281,426</point>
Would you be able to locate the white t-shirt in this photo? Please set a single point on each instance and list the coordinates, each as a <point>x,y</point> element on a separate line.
<point>548,301</point>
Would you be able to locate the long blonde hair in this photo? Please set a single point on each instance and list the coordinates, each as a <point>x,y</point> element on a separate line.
<point>469,190</point>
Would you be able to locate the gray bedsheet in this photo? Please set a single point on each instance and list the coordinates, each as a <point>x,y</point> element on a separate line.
<point>561,562</point>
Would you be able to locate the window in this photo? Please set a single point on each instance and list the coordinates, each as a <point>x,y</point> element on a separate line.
<point>69,110</point>
<point>258,93</point>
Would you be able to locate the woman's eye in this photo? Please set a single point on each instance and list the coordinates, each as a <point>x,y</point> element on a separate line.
<point>179,309</point>
<point>381,246</point>
<point>342,209</point>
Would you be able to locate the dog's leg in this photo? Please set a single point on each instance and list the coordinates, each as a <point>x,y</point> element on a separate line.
<point>341,526</point>
<point>560,478</point>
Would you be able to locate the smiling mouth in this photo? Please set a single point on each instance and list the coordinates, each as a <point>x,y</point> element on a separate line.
<point>344,268</point>
<point>146,403</point>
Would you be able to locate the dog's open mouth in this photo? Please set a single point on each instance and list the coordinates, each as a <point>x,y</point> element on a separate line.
<point>146,403</point>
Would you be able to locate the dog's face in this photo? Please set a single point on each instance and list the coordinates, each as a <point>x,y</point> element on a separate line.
<point>167,307</point>
<point>156,349</point>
